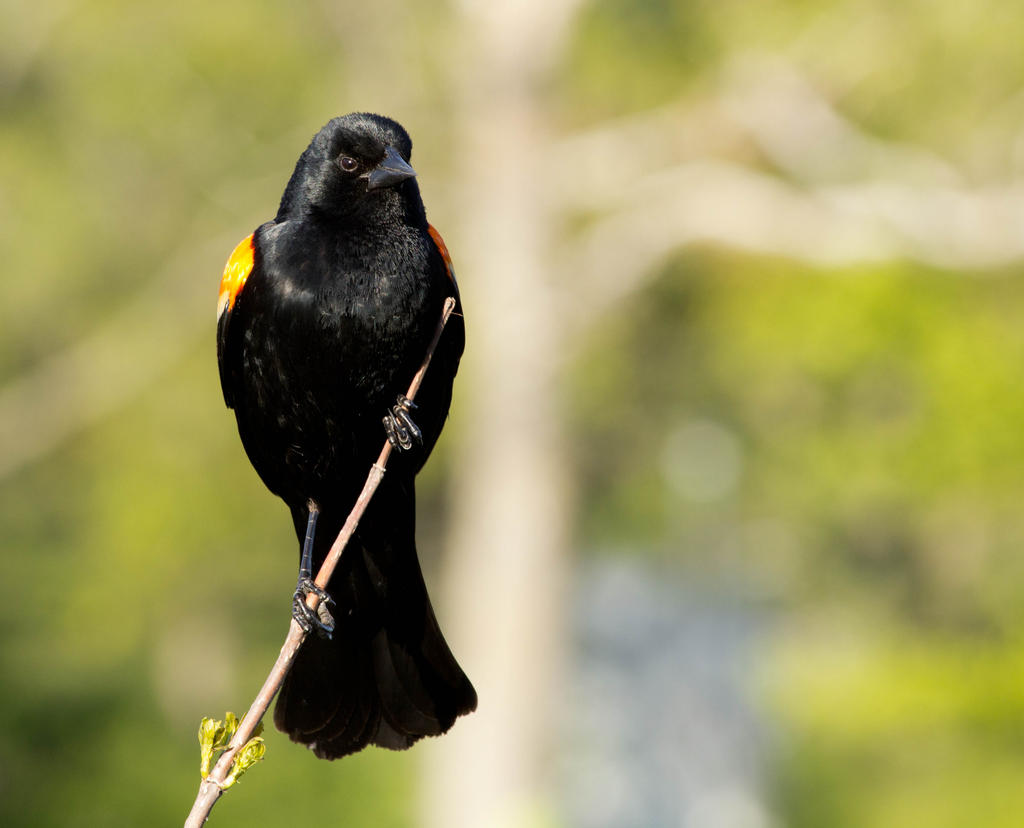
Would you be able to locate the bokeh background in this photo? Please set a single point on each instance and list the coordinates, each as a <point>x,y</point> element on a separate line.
<point>726,526</point>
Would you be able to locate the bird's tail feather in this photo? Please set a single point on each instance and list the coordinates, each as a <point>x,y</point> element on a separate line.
<point>387,677</point>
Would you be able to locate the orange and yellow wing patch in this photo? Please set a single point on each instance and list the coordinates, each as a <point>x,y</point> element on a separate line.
<point>444,252</point>
<point>236,271</point>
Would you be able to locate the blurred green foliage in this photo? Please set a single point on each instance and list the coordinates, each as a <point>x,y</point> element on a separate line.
<point>859,427</point>
<point>876,417</point>
<point>132,137</point>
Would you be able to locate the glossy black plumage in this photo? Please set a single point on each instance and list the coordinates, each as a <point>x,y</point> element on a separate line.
<point>344,291</point>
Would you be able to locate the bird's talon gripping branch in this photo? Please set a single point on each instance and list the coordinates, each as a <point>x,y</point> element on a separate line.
<point>398,423</point>
<point>319,620</point>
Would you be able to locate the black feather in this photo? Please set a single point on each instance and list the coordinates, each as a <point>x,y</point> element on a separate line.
<point>332,323</point>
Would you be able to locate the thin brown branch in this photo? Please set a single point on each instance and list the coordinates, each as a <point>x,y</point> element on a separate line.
<point>211,788</point>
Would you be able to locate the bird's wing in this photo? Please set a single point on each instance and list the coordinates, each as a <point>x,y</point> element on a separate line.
<point>443,249</point>
<point>236,271</point>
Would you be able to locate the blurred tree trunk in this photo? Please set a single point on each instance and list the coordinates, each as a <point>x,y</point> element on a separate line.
<point>505,588</point>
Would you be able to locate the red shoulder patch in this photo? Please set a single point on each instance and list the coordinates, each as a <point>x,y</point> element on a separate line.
<point>444,252</point>
<point>236,271</point>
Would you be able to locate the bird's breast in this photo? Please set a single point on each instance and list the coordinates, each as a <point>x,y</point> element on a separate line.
<point>345,324</point>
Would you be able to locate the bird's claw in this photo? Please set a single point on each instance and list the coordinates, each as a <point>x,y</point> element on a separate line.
<point>319,620</point>
<point>401,430</point>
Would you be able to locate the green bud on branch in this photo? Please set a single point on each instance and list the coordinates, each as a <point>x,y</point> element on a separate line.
<point>252,752</point>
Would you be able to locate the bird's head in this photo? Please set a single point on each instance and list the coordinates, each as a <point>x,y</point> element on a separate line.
<point>357,164</point>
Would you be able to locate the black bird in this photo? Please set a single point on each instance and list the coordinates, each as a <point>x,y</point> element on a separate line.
<point>325,315</point>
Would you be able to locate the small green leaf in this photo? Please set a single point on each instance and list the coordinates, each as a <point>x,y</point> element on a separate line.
<point>215,735</point>
<point>211,731</point>
<point>251,753</point>
<point>230,726</point>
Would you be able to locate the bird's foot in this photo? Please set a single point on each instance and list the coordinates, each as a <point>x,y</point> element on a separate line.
<point>319,619</point>
<point>401,430</point>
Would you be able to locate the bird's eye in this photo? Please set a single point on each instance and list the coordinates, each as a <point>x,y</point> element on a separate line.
<point>348,164</point>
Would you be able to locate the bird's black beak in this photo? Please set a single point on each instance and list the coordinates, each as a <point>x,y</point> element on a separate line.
<point>392,170</point>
